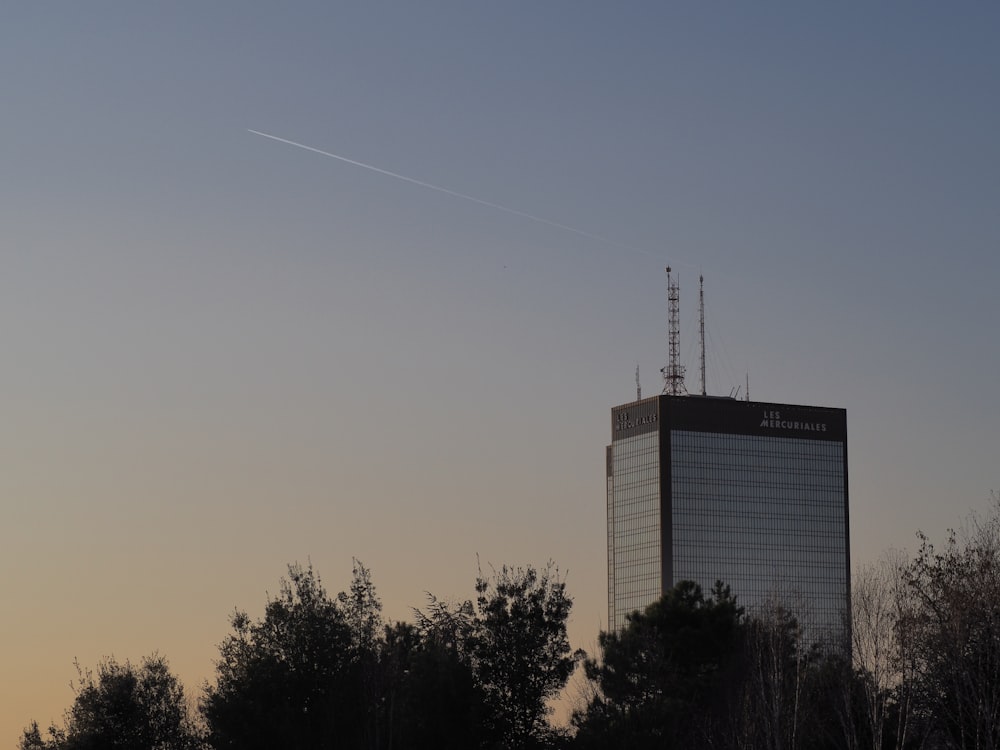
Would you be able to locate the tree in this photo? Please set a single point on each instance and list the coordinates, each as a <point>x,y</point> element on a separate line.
<point>290,679</point>
<point>433,699</point>
<point>318,672</point>
<point>362,611</point>
<point>662,680</point>
<point>882,657</point>
<point>125,707</point>
<point>775,673</point>
<point>520,652</point>
<point>953,630</point>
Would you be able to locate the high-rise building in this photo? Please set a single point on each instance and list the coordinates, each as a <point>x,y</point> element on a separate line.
<point>752,494</point>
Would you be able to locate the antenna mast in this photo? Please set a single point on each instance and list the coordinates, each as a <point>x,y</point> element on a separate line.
<point>673,373</point>
<point>638,388</point>
<point>701,305</point>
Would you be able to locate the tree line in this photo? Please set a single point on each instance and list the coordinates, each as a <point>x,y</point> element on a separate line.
<point>321,671</point>
<point>694,670</point>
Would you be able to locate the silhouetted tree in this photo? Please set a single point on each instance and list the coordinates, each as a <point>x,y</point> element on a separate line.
<point>520,652</point>
<point>321,672</point>
<point>123,707</point>
<point>363,612</point>
<point>883,660</point>
<point>782,683</point>
<point>433,699</point>
<point>291,679</point>
<point>953,627</point>
<point>662,681</point>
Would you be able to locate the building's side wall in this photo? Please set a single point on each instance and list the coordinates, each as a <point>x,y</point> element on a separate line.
<point>767,516</point>
<point>609,462</point>
<point>634,549</point>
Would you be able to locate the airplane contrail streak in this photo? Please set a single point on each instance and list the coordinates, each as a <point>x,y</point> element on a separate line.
<point>455,194</point>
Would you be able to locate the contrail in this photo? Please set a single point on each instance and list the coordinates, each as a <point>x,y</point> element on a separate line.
<point>454,194</point>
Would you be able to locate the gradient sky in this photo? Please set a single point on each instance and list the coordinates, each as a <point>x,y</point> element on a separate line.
<point>222,354</point>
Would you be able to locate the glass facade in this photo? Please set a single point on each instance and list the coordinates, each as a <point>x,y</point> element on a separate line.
<point>752,494</point>
<point>767,516</point>
<point>634,540</point>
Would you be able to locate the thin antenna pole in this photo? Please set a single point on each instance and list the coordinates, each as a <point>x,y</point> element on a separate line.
<point>701,305</point>
<point>673,373</point>
<point>638,388</point>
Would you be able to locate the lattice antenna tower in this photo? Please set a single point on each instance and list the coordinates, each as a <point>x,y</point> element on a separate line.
<point>673,373</point>
<point>701,307</point>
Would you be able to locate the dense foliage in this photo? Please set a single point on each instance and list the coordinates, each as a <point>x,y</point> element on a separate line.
<point>520,652</point>
<point>292,679</point>
<point>663,675</point>
<point>320,671</point>
<point>123,707</point>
